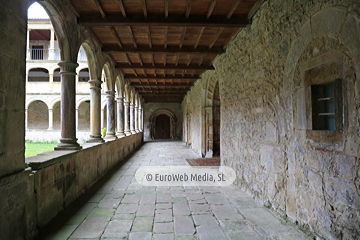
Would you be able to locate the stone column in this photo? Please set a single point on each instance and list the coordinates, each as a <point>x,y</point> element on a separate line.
<point>68,140</point>
<point>52,45</point>
<point>136,110</point>
<point>132,118</point>
<point>140,120</point>
<point>110,130</point>
<point>51,120</point>
<point>126,118</point>
<point>209,132</point>
<point>120,117</point>
<point>95,111</point>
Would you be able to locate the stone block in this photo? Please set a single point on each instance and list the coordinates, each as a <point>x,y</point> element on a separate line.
<point>183,225</point>
<point>92,227</point>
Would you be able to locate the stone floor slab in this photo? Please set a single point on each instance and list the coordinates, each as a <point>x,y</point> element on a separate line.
<point>167,227</point>
<point>92,227</point>
<point>184,225</point>
<point>142,224</point>
<point>140,236</point>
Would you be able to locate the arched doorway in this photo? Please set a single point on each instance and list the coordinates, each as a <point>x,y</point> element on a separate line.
<point>216,121</point>
<point>38,116</point>
<point>162,127</point>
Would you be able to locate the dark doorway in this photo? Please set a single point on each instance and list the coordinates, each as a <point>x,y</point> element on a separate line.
<point>162,127</point>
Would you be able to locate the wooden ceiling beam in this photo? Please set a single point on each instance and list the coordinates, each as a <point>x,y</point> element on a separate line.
<point>170,91</point>
<point>115,36</point>
<point>168,67</point>
<point>122,8</point>
<point>217,35</point>
<point>255,8</point>
<point>199,37</point>
<point>100,8</point>
<point>173,20</point>
<point>144,8</point>
<point>149,36</point>
<point>211,8</point>
<point>233,8</point>
<point>132,36</point>
<point>182,37</point>
<point>161,49</point>
<point>167,8</point>
<point>162,77</point>
<point>188,9</point>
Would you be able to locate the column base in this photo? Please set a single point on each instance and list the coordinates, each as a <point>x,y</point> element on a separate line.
<point>95,139</point>
<point>110,137</point>
<point>120,134</point>
<point>137,130</point>
<point>133,132</point>
<point>68,144</point>
<point>127,133</point>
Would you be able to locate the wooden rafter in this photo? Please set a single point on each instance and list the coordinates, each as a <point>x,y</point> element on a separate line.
<point>173,20</point>
<point>217,35</point>
<point>255,8</point>
<point>149,36</point>
<point>144,8</point>
<point>165,37</point>
<point>167,66</point>
<point>167,8</point>
<point>177,59</point>
<point>199,37</point>
<point>211,8</point>
<point>72,8</point>
<point>202,59</point>
<point>233,8</point>
<point>132,37</point>
<point>188,8</point>
<point>164,90</point>
<point>182,37</point>
<point>140,60</point>
<point>162,95</point>
<point>122,8</point>
<point>100,8</point>
<point>162,50</point>
<point>115,36</point>
<point>152,60</point>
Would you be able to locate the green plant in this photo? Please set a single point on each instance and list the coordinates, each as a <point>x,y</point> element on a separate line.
<point>103,132</point>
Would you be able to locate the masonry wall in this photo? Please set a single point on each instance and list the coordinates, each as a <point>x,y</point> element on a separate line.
<point>310,177</point>
<point>151,108</point>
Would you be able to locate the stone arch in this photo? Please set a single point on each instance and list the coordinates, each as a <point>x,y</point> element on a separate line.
<point>31,100</point>
<point>40,74</point>
<point>119,84</point>
<point>37,115</point>
<point>168,113</point>
<point>53,102</point>
<point>83,109</point>
<point>108,72</point>
<point>208,118</point>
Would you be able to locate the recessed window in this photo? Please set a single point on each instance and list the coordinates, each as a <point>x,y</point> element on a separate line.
<point>323,106</point>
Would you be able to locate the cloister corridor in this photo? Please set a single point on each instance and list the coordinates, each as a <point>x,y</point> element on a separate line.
<point>118,207</point>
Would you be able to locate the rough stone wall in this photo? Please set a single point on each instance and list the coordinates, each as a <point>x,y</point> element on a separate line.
<point>265,135</point>
<point>150,108</point>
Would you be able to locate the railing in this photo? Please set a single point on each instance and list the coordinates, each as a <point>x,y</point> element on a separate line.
<point>51,54</point>
<point>39,54</point>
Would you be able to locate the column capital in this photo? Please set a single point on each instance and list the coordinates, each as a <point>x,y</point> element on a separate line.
<point>110,94</point>
<point>68,67</point>
<point>120,99</point>
<point>127,103</point>
<point>95,83</point>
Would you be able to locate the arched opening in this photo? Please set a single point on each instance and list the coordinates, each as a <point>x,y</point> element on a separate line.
<point>56,75</point>
<point>84,75</point>
<point>162,127</point>
<point>38,117</point>
<point>84,116</point>
<point>56,116</point>
<point>216,121</point>
<point>38,75</point>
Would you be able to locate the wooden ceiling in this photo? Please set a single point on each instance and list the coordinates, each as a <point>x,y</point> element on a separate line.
<point>163,46</point>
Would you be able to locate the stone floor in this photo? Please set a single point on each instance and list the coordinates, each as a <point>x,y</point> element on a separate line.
<point>120,208</point>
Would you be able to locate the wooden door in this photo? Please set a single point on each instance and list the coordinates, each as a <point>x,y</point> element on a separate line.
<point>162,127</point>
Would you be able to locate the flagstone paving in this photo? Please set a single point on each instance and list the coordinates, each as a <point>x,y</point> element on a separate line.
<point>118,207</point>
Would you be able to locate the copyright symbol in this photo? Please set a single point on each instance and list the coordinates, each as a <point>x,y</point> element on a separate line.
<point>148,177</point>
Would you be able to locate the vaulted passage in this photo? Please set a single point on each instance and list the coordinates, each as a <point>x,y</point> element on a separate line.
<point>268,89</point>
<point>118,207</point>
